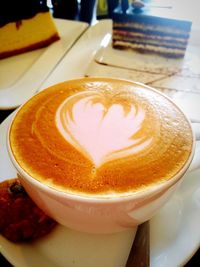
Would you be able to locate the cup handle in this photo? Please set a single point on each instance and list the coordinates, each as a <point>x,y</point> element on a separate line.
<point>196,160</point>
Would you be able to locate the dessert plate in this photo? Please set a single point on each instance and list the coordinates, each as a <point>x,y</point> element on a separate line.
<point>21,75</point>
<point>174,232</point>
<point>149,63</point>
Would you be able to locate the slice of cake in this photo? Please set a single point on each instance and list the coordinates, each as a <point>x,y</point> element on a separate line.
<point>150,28</point>
<point>25,25</point>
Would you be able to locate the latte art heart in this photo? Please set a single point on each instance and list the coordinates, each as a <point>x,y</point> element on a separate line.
<point>101,132</point>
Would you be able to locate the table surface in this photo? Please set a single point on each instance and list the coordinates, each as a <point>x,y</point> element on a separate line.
<point>166,86</point>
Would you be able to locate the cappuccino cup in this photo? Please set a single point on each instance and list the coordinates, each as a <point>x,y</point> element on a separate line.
<point>100,155</point>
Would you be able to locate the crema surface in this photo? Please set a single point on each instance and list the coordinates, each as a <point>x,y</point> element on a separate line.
<point>100,136</point>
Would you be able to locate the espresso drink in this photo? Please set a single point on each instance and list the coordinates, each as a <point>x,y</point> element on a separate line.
<point>100,136</point>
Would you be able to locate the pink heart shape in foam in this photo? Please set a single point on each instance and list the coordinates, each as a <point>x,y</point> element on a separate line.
<point>100,133</point>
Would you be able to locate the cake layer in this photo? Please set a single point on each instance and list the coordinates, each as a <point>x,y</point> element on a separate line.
<point>150,39</point>
<point>164,51</point>
<point>165,45</point>
<point>150,30</point>
<point>27,35</point>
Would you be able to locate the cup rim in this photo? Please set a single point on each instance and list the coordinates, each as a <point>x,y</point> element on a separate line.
<point>147,191</point>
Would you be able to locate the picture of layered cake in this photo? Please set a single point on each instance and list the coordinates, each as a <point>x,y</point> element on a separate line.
<point>24,26</point>
<point>150,28</point>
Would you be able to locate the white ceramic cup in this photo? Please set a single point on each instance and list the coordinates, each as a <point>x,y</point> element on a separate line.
<point>103,215</point>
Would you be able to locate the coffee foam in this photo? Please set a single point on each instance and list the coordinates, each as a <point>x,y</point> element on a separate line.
<point>100,136</point>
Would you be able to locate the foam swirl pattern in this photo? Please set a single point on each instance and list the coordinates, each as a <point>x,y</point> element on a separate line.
<point>100,136</point>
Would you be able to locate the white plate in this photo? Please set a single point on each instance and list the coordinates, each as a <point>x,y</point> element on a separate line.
<point>21,75</point>
<point>150,63</point>
<point>174,231</point>
<point>80,55</point>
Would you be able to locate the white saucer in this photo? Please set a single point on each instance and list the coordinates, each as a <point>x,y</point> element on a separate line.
<point>174,231</point>
<point>21,75</point>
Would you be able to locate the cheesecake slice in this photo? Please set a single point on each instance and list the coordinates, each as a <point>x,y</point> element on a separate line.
<point>25,26</point>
